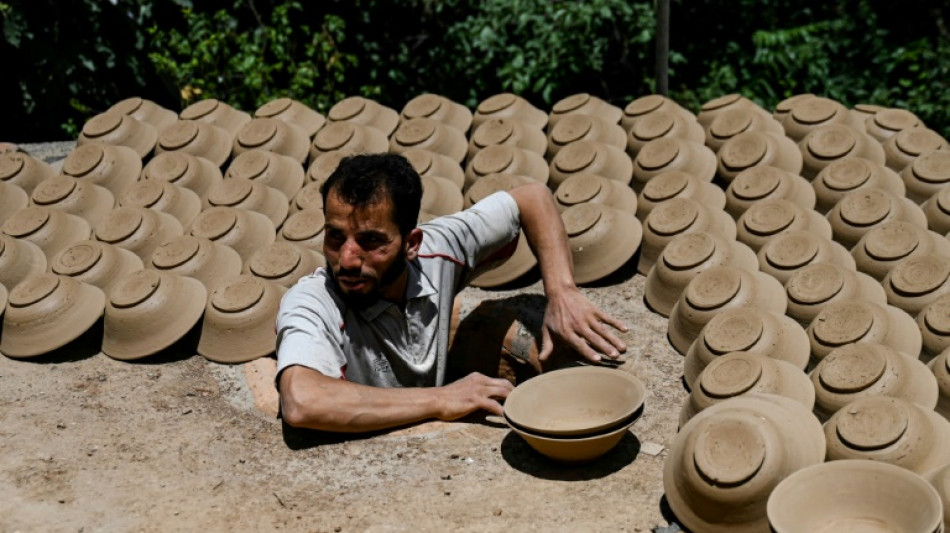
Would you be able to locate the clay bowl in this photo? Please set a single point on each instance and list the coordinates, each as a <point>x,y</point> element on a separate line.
<point>575,450</point>
<point>428,163</point>
<point>49,229</point>
<point>502,159</point>
<point>84,199</point>
<point>901,149</point>
<point>251,195</point>
<point>196,138</point>
<point>583,104</point>
<point>937,211</point>
<point>12,199</point>
<point>320,168</point>
<point>490,184</point>
<point>812,287</point>
<point>577,402</point>
<point>676,217</point>
<point>508,105</point>
<point>789,252</point>
<point>238,324</point>
<point>114,167</point>
<point>350,137</point>
<point>738,373</point>
<point>521,262</point>
<point>601,238</point>
<point>927,175</point>
<point>768,218</point>
<point>437,107</point>
<point>683,259</point>
<point>851,321</point>
<point>866,369</point>
<point>19,259</point>
<point>119,130</point>
<point>576,127</point>
<point>148,311</point>
<point>46,312</point>
<point>184,170</point>
<point>887,123</point>
<point>244,231</point>
<point>641,107</point>
<point>96,263</point>
<point>216,113</point>
<point>198,258</point>
<point>26,172</point>
<point>308,197</point>
<point>751,149</point>
<point>440,196</point>
<point>659,124</point>
<point>590,188</point>
<point>677,184</point>
<point>763,182</point>
<point>715,290</point>
<point>711,109</point>
<point>886,245</point>
<point>292,112</point>
<point>431,135</point>
<point>725,461</point>
<point>179,202</point>
<point>917,281</point>
<point>137,229</point>
<point>934,324</point>
<point>841,177</point>
<point>889,430</point>
<point>854,496</point>
<point>733,122</point>
<point>750,330</point>
<point>365,112</point>
<point>507,132</point>
<point>834,142</point>
<point>784,107</point>
<point>941,369</point>
<point>145,111</point>
<point>275,136</point>
<point>863,111</point>
<point>305,229</point>
<point>283,263</point>
<point>861,210</point>
<point>670,153</point>
<point>593,158</point>
<point>940,479</point>
<point>810,114</point>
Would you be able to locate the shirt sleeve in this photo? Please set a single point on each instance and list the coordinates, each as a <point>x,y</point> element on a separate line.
<point>476,234</point>
<point>309,330</point>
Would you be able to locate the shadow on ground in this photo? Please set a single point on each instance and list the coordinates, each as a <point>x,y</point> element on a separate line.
<point>520,456</point>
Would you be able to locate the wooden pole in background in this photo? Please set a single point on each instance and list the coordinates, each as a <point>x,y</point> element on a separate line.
<point>662,46</point>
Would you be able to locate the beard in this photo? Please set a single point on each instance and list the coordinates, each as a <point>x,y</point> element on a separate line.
<point>378,283</point>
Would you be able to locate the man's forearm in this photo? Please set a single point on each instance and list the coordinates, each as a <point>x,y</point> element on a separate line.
<point>545,233</point>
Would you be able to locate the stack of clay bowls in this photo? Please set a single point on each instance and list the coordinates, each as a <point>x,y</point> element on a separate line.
<point>575,415</point>
<point>677,184</point>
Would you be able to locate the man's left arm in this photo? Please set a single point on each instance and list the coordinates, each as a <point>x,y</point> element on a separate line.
<point>569,316</point>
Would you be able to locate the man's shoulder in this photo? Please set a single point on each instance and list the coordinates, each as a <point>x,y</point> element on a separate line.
<point>313,291</point>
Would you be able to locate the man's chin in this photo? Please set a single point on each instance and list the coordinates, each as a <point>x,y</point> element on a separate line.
<point>359,299</point>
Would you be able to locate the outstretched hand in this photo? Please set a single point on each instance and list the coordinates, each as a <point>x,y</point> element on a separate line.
<point>471,393</point>
<point>572,318</point>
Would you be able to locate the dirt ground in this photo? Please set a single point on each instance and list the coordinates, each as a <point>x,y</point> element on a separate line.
<point>175,443</point>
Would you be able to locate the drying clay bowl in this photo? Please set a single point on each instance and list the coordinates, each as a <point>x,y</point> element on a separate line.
<point>750,330</point>
<point>583,104</point>
<point>934,324</point>
<point>51,230</point>
<point>198,139</point>
<point>711,109</point>
<point>645,105</point>
<point>119,130</point>
<point>753,148</point>
<point>325,164</point>
<point>148,311</point>
<point>763,182</point>
<point>365,112</point>
<point>812,287</point>
<point>940,479</point>
<point>941,369</point>
<point>575,450</point>
<point>937,211</point>
<point>503,159</point>
<point>26,172</point>
<point>854,496</point>
<point>676,217</point>
<point>428,163</point>
<point>308,197</point>
<point>305,229</point>
<point>851,321</point>
<point>12,199</point>
<point>179,202</point>
<point>275,136</point>
<point>810,114</point>
<point>774,216</point>
<point>575,401</point>
<point>349,137</point>
<point>926,175</point>
<point>244,231</point>
<point>575,127</point>
<point>677,184</point>
<point>670,153</point>
<point>866,369</point>
<point>863,111</point>
<point>84,199</point>
<point>198,258</point>
<point>522,260</point>
<point>715,290</point>
<point>508,105</point>
<point>292,112</point>
<point>726,460</point>
<point>137,229</point>
<point>145,111</point>
<point>733,122</point>
<point>889,430</point>
<point>440,196</point>
<point>841,177</point>
<point>901,149</point>
<point>114,167</point>
<point>785,106</point>
<point>591,188</point>
<point>251,195</point>
<point>46,312</point>
<point>19,259</point>
<point>886,123</point>
<point>659,124</point>
<point>97,263</point>
<point>216,113</point>
<point>593,158</point>
<point>861,210</point>
<point>789,252</point>
<point>184,170</point>
<point>917,281</point>
<point>886,245</point>
<point>602,239</point>
<point>431,135</point>
<point>238,324</point>
<point>738,373</point>
<point>508,132</point>
<point>490,184</point>
<point>437,107</point>
<point>283,263</point>
<point>834,142</point>
<point>684,258</point>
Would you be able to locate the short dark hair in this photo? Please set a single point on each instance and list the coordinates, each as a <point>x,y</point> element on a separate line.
<point>365,179</point>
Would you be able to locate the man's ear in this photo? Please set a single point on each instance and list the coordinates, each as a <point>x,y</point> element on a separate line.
<point>413,242</point>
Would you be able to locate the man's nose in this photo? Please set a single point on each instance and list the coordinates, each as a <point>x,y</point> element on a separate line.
<point>351,255</point>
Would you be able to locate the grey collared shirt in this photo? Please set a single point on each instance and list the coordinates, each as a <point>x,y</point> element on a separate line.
<point>384,345</point>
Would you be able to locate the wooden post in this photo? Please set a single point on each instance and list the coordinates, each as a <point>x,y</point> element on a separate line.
<point>662,46</point>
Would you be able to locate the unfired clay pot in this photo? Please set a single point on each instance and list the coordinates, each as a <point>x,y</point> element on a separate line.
<point>886,245</point>
<point>283,263</point>
<point>810,114</point>
<point>940,479</point>
<point>644,105</point>
<point>440,196</point>
<point>750,149</point>
<point>733,122</point>
<point>937,211</point>
<point>833,142</point>
<point>941,369</point>
<point>244,231</point>
<point>185,170</point>
<point>325,164</point>
<point>429,134</point>
<point>274,136</point>
<point>509,132</point>
<point>887,123</point>
<point>670,153</point>
<point>26,172</point>
<point>217,113</point>
<point>575,450</point>
<point>849,174</point>
<point>97,263</point>
<point>114,167</point>
<point>436,107</point>
<point>502,159</point>
<point>19,259</point>
<point>292,112</point>
<point>508,105</point>
<point>711,109</point>
<point>238,324</point>
<point>145,111</point>
<point>119,130</point>
<point>851,321</point>
<point>49,229</point>
<point>785,106</point>
<point>198,258</point>
<point>789,252</point>
<point>428,163</point>
<point>917,281</point>
<point>576,127</point>
<point>350,137</point>
<point>198,139</point>
<point>590,188</point>
<point>84,199</point>
<point>766,219</point>
<point>901,149</point>
<point>307,198</point>
<point>593,158</point>
<point>677,184</point>
<point>812,287</point>
<point>861,210</point>
<point>602,239</point>
<point>863,111</point>
<point>305,229</point>
<point>365,112</point>
<point>660,124</point>
<point>137,229</point>
<point>676,217</point>
<point>583,104</point>
<point>179,202</point>
<point>926,175</point>
<point>247,194</point>
<point>763,182</point>
<point>934,323</point>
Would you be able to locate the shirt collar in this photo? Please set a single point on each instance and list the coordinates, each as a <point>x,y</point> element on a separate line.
<point>418,285</point>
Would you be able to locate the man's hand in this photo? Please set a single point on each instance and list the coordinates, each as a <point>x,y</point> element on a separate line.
<point>572,318</point>
<point>471,393</point>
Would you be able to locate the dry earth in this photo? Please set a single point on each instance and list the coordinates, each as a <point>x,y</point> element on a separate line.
<point>175,443</point>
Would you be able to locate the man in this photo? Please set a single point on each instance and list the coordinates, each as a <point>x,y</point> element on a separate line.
<point>362,343</point>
